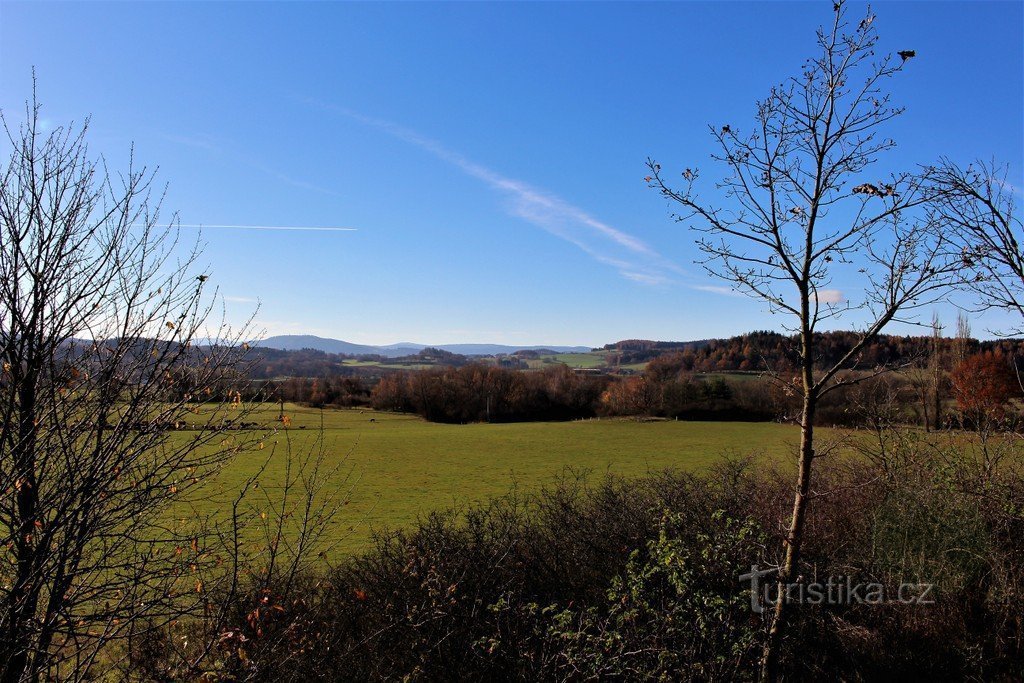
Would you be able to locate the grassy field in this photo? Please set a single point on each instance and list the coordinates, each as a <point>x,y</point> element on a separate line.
<point>352,362</point>
<point>573,360</point>
<point>402,466</point>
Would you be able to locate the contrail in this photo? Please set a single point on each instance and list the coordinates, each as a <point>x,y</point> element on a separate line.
<point>269,227</point>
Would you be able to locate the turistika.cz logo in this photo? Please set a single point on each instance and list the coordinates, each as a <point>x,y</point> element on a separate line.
<point>842,590</point>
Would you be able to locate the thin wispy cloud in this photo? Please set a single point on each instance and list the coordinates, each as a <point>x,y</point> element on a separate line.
<point>634,259</point>
<point>719,289</point>
<point>208,144</point>
<point>294,182</point>
<point>823,296</point>
<point>313,228</point>
<point>644,278</point>
<point>1008,186</point>
<point>193,141</point>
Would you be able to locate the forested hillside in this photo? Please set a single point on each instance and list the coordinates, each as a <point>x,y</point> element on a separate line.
<point>764,350</point>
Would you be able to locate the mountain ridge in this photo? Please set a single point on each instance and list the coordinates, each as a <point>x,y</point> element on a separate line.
<point>294,342</point>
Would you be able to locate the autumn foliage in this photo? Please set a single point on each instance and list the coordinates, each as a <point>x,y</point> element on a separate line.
<point>983,385</point>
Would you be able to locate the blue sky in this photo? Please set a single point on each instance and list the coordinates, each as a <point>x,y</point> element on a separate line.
<point>490,156</point>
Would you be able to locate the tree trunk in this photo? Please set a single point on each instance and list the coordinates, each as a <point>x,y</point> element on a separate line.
<point>24,594</point>
<point>924,409</point>
<point>794,538</point>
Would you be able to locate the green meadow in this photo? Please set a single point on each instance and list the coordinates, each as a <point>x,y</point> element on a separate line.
<point>399,467</point>
<point>573,360</point>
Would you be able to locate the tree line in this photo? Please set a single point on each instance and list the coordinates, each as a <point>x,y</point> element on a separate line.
<point>478,393</point>
<point>946,386</point>
<point>767,350</point>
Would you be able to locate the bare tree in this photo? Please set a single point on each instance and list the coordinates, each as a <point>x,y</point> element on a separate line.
<point>962,342</point>
<point>110,413</point>
<point>977,202</point>
<point>936,371</point>
<point>801,209</point>
<point>919,379</point>
<point>927,377</point>
<point>271,539</point>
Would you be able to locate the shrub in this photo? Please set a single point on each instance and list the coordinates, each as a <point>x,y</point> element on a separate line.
<point>676,613</point>
<point>639,579</point>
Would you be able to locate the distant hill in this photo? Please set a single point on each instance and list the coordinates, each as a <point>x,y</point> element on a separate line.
<point>494,349</point>
<point>295,342</point>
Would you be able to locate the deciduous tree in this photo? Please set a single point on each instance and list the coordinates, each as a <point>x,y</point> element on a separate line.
<point>977,203</point>
<point>983,384</point>
<point>106,406</point>
<point>799,207</point>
